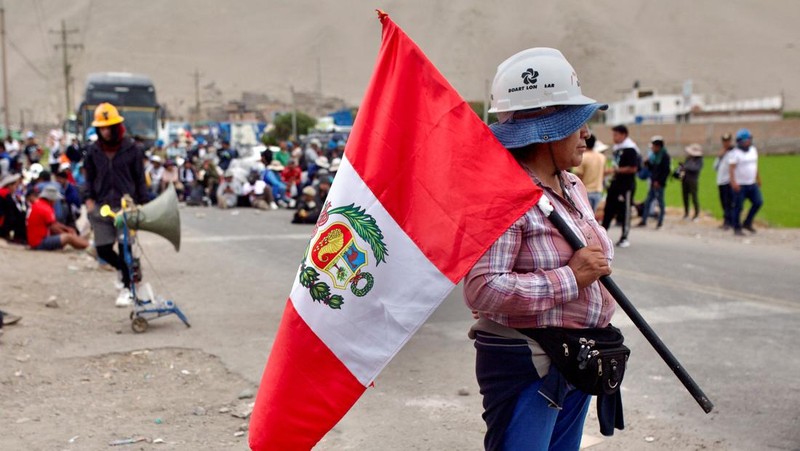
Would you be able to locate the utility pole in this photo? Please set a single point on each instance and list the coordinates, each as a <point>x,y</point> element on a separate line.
<point>6,111</point>
<point>67,66</point>
<point>196,76</point>
<point>294,114</point>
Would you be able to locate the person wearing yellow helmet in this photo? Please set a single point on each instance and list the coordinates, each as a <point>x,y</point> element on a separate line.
<point>114,168</point>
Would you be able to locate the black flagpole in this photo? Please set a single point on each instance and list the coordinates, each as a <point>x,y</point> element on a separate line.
<point>630,310</point>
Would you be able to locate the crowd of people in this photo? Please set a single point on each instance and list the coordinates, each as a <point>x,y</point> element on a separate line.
<point>50,195</point>
<point>736,166</point>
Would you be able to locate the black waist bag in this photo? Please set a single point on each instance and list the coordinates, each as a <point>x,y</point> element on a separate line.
<point>593,360</point>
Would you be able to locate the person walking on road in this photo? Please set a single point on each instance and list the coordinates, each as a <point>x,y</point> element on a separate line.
<point>114,168</point>
<point>659,165</point>
<point>722,166</point>
<point>530,277</point>
<point>623,184</point>
<point>745,181</point>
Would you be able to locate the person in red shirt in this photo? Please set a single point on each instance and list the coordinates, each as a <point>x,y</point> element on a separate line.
<point>292,176</point>
<point>44,232</point>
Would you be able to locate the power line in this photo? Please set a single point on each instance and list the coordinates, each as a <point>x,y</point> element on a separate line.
<point>40,20</point>
<point>25,58</point>
<point>67,66</point>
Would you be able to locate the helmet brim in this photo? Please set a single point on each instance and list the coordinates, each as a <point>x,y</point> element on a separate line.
<point>108,123</point>
<point>548,128</point>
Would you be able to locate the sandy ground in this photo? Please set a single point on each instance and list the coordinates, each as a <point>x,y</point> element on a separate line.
<point>164,395</point>
<point>168,394</point>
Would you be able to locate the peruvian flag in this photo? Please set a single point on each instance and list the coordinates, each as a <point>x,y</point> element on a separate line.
<point>423,190</point>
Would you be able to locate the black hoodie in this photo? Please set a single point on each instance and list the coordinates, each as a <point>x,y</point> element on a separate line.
<point>108,179</point>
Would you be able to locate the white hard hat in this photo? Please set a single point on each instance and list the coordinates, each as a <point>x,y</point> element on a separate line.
<point>536,78</point>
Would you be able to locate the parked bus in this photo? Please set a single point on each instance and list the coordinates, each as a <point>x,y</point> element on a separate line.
<point>134,96</point>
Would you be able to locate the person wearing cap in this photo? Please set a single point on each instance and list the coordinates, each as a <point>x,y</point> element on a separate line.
<point>44,232</point>
<point>622,188</point>
<point>531,278</point>
<point>745,181</point>
<point>722,166</point>
<point>658,163</point>
<point>691,168</point>
<point>13,209</point>
<point>591,170</point>
<point>114,168</point>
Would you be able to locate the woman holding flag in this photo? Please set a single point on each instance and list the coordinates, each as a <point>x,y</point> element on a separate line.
<point>530,279</point>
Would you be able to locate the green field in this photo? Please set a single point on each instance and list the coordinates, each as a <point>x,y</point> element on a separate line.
<point>779,176</point>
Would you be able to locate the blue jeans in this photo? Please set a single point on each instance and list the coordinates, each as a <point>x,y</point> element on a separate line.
<point>537,426</point>
<point>654,194</point>
<point>594,199</point>
<point>753,194</point>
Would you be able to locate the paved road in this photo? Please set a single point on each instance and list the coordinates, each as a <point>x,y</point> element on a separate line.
<point>727,310</point>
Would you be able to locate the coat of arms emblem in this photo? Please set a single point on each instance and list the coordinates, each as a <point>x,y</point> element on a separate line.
<point>336,253</point>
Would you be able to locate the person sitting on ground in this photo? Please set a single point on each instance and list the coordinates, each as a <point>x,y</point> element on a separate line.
<point>226,154</point>
<point>72,199</point>
<point>209,177</point>
<point>272,177</point>
<point>323,188</point>
<point>258,192</point>
<point>308,209</point>
<point>283,154</point>
<point>44,232</point>
<point>171,176</point>
<point>156,172</point>
<point>292,176</point>
<point>188,178</point>
<point>13,209</point>
<point>228,191</point>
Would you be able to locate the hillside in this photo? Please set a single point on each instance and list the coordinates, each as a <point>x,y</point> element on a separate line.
<point>729,48</point>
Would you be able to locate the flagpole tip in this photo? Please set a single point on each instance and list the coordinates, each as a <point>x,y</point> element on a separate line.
<point>381,15</point>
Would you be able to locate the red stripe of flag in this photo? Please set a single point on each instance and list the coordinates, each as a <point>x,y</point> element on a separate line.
<point>304,392</point>
<point>434,166</point>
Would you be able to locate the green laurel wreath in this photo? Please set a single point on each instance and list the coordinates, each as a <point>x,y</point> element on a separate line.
<point>320,291</point>
<point>366,228</point>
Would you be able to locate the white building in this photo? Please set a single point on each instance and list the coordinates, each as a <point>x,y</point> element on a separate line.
<point>646,106</point>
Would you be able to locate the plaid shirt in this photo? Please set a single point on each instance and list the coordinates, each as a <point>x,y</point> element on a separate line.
<point>523,279</point>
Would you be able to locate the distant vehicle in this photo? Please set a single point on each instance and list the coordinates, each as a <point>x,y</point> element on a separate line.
<point>134,96</point>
